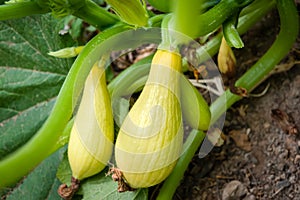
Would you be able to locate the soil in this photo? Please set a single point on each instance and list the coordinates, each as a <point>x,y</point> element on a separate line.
<point>260,158</point>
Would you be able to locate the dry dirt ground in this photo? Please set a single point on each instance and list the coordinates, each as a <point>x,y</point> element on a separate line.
<point>261,155</point>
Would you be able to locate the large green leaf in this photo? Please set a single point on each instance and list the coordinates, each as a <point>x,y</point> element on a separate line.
<point>42,182</point>
<point>30,79</point>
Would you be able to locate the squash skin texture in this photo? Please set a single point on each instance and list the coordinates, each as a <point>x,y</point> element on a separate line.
<point>91,140</point>
<point>150,139</point>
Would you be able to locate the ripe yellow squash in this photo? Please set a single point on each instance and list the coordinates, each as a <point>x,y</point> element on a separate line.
<point>91,140</point>
<point>150,139</point>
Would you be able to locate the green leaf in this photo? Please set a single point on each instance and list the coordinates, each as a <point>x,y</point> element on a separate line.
<point>99,186</point>
<point>103,187</point>
<point>30,79</point>
<point>42,182</point>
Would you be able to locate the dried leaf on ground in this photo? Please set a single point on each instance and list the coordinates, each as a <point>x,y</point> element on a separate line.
<point>241,139</point>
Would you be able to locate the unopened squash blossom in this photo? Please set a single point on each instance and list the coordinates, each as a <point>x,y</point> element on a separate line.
<point>150,139</point>
<point>226,59</point>
<point>91,139</point>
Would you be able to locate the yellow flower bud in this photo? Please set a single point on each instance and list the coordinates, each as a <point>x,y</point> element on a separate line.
<point>68,52</point>
<point>226,59</point>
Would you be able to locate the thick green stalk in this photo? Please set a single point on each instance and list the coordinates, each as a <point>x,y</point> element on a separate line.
<point>21,9</point>
<point>87,10</point>
<point>199,25</point>
<point>19,163</point>
<point>288,33</point>
<point>250,14</point>
<point>168,5</point>
<point>185,13</point>
<point>95,15</point>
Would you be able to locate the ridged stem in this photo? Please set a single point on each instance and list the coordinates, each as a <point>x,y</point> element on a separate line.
<point>95,15</point>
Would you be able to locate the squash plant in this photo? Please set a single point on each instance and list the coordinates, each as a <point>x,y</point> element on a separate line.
<point>41,98</point>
